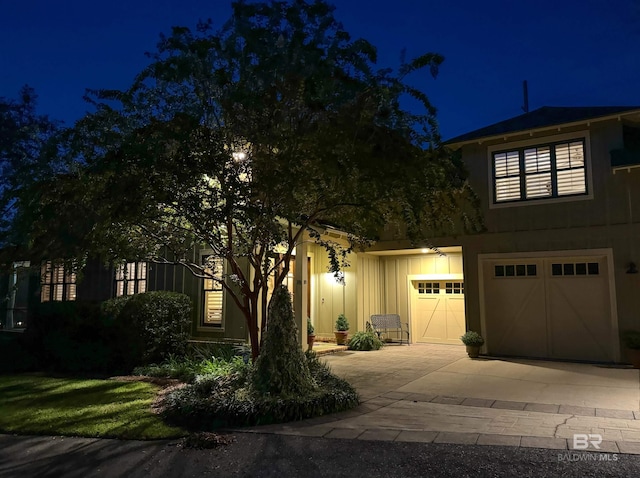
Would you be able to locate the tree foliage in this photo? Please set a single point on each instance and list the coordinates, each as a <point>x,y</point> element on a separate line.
<point>27,155</point>
<point>244,139</point>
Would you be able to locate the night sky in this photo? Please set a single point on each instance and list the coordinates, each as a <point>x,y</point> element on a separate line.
<point>573,53</point>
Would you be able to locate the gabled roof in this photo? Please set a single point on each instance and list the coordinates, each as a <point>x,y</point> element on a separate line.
<point>543,117</point>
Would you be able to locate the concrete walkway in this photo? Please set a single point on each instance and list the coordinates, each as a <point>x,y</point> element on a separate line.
<point>435,393</point>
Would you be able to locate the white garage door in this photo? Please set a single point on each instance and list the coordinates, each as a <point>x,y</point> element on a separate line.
<point>437,311</point>
<point>555,307</point>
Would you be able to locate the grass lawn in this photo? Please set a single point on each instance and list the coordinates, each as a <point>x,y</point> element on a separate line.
<point>37,405</point>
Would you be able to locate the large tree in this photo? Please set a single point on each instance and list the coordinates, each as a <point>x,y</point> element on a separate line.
<point>243,139</point>
<point>27,155</point>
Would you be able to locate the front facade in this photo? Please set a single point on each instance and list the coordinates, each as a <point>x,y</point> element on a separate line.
<point>552,276</point>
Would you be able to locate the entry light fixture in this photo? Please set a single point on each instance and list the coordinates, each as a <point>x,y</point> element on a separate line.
<point>632,268</point>
<point>239,156</point>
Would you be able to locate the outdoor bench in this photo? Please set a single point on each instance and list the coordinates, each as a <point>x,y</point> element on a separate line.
<point>382,323</point>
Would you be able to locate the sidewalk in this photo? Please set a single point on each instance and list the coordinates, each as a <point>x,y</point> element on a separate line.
<point>435,394</point>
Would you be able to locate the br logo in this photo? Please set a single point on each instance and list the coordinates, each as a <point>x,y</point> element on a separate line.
<point>581,441</point>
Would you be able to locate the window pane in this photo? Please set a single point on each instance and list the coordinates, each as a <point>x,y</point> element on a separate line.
<point>499,271</point>
<point>120,272</point>
<point>45,272</point>
<point>576,153</point>
<point>510,271</point>
<point>71,292</point>
<point>58,275</point>
<point>142,286</point>
<point>568,269</point>
<point>119,288</point>
<point>520,270</point>
<point>506,164</point>
<point>570,155</point>
<point>45,294</point>
<point>581,269</point>
<point>571,181</point>
<point>58,292</point>
<point>213,308</point>
<point>538,185</point>
<point>142,270</point>
<point>507,189</point>
<point>131,287</point>
<point>593,268</point>
<point>532,270</point>
<point>556,269</point>
<point>537,159</point>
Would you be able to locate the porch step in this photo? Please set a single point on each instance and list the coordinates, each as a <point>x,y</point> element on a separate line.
<point>324,348</point>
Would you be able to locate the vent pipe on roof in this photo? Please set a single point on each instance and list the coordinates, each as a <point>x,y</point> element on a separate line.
<point>525,93</point>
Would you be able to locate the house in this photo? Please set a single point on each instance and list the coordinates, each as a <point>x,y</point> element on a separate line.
<point>553,275</point>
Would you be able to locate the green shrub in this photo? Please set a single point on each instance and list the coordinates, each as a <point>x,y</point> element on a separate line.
<point>472,338</point>
<point>342,324</point>
<point>206,350</point>
<point>365,340</point>
<point>215,401</point>
<point>72,337</point>
<point>151,326</point>
<point>187,369</point>
<point>113,307</point>
<point>14,354</point>
<point>281,368</point>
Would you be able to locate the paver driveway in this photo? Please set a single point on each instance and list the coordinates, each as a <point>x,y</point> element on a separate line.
<point>436,393</point>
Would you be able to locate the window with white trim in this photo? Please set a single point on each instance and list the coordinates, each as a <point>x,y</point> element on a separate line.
<point>543,171</point>
<point>213,293</point>
<point>58,282</point>
<point>131,278</point>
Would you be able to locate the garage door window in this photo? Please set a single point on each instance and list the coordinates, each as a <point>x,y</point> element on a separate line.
<point>435,288</point>
<point>454,287</point>
<point>516,270</point>
<point>428,287</point>
<point>575,269</point>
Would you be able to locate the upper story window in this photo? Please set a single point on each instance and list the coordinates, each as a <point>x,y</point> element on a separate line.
<point>57,282</point>
<point>552,170</point>
<point>131,278</point>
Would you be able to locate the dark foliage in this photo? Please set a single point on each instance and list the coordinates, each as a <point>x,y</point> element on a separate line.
<point>15,356</point>
<point>219,401</point>
<point>151,326</point>
<point>72,337</point>
<point>281,368</point>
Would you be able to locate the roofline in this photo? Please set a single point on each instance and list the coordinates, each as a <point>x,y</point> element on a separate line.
<point>531,132</point>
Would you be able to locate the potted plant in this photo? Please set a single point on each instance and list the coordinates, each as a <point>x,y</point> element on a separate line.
<point>631,340</point>
<point>365,340</point>
<point>473,341</point>
<point>311,334</point>
<point>342,327</point>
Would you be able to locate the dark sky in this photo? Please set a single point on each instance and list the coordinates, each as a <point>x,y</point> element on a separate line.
<point>572,52</point>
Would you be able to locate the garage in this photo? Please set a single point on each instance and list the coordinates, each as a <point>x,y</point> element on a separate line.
<point>437,309</point>
<point>549,307</point>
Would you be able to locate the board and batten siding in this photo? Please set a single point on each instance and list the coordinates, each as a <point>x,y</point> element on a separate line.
<point>370,285</point>
<point>395,269</point>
